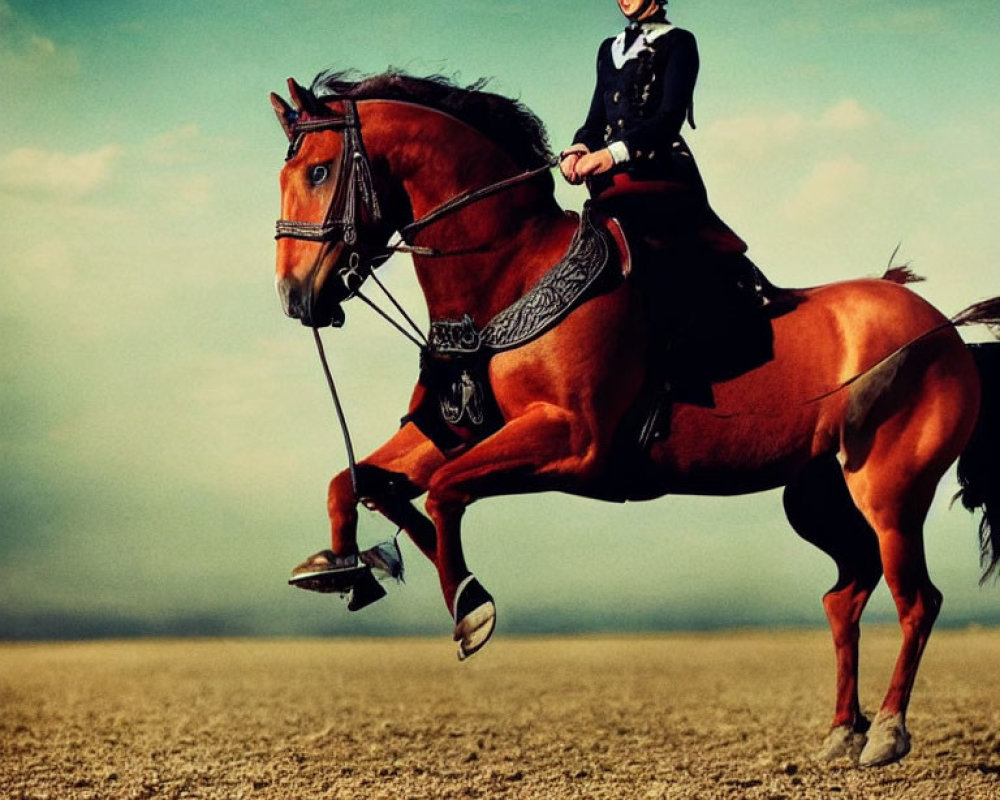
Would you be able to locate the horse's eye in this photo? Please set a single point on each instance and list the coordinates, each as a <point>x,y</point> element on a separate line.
<point>318,174</point>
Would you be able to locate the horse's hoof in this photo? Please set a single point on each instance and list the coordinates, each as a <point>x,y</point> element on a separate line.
<point>328,573</point>
<point>842,741</point>
<point>888,741</point>
<point>475,617</point>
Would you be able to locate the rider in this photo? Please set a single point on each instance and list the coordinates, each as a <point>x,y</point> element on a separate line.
<point>640,170</point>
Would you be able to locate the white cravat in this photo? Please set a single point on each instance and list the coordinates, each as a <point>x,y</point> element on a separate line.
<point>651,31</point>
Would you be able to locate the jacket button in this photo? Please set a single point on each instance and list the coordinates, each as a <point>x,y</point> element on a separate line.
<point>616,97</point>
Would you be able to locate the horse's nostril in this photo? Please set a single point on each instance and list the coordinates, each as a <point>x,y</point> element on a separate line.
<point>291,298</point>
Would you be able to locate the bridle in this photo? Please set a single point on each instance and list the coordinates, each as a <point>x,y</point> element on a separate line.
<point>354,192</point>
<point>355,198</point>
<point>354,181</point>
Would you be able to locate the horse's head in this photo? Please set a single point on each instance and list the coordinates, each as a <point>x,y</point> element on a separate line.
<point>394,153</point>
<point>334,224</point>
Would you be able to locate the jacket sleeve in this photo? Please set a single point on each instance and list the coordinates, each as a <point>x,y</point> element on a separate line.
<point>592,132</point>
<point>678,76</point>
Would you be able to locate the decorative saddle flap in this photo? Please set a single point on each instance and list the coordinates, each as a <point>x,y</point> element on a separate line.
<point>558,292</point>
<point>543,307</point>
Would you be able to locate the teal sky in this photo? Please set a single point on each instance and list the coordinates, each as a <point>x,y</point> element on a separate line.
<point>165,433</point>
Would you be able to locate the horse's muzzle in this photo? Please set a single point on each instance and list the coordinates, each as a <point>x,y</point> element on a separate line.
<point>312,309</point>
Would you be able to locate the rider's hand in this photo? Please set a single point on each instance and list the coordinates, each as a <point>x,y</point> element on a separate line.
<point>569,160</point>
<point>593,164</point>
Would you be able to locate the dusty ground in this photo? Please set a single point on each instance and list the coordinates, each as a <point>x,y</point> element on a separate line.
<point>733,716</point>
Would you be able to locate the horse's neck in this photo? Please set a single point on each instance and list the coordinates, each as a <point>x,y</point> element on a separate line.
<point>488,252</point>
<point>498,255</point>
<point>493,249</point>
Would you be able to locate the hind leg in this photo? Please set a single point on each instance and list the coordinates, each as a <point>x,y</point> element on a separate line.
<point>895,449</point>
<point>898,517</point>
<point>821,511</point>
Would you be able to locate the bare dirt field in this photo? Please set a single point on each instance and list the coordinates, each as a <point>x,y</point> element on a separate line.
<point>677,716</point>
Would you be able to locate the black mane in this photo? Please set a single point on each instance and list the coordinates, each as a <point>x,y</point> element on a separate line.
<point>507,122</point>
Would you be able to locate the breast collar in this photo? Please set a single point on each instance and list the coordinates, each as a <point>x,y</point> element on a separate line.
<point>651,31</point>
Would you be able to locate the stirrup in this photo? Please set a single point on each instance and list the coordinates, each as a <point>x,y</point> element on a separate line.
<point>326,573</point>
<point>356,576</point>
<point>354,580</point>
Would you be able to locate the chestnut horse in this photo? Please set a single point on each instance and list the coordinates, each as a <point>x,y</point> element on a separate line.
<point>870,396</point>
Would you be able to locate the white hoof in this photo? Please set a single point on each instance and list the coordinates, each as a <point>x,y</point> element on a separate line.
<point>475,617</point>
<point>475,630</point>
<point>842,741</point>
<point>888,741</point>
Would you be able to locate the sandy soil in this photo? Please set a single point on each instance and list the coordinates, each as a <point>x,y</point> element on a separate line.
<point>714,716</point>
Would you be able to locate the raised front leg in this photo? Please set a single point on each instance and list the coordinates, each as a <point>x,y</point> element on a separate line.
<point>547,448</point>
<point>388,480</point>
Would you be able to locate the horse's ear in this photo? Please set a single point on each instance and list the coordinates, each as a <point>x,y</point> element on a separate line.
<point>286,116</point>
<point>302,97</point>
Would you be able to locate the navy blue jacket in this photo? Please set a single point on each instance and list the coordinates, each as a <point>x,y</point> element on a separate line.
<point>642,101</point>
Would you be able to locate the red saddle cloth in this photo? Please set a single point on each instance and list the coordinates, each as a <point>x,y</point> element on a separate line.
<point>715,234</point>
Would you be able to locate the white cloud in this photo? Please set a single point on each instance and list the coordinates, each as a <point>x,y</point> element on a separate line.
<point>828,188</point>
<point>174,171</point>
<point>178,146</point>
<point>847,115</point>
<point>53,174</point>
<point>188,162</point>
<point>186,193</point>
<point>757,134</point>
<point>41,45</point>
<point>754,134</point>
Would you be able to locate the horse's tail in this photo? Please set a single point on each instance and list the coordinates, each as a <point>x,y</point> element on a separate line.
<point>979,464</point>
